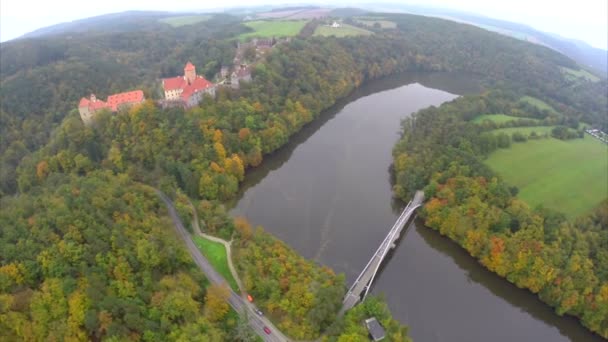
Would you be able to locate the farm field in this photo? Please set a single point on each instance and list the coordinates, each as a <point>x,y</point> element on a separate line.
<point>568,176</point>
<point>497,118</point>
<point>217,256</point>
<point>343,31</point>
<point>273,28</point>
<point>185,20</point>
<point>296,14</point>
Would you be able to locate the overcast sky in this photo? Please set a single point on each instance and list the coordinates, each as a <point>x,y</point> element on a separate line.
<point>581,19</point>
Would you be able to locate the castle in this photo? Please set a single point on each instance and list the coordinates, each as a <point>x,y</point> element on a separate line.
<point>88,107</point>
<point>188,89</point>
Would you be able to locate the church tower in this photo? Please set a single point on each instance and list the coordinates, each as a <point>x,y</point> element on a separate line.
<point>189,72</point>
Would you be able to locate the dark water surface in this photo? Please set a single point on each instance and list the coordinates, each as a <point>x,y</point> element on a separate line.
<point>328,195</point>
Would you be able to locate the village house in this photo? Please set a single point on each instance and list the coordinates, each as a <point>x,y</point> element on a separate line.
<point>188,89</point>
<point>88,107</point>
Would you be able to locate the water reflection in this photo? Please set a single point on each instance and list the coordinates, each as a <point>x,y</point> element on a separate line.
<point>328,195</point>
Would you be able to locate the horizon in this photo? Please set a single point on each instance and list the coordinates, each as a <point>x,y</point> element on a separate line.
<point>588,22</point>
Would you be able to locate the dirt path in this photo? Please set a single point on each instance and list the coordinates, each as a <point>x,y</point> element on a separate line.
<point>227,245</point>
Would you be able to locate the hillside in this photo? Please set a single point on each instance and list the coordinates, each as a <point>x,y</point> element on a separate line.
<point>586,55</point>
<point>87,218</point>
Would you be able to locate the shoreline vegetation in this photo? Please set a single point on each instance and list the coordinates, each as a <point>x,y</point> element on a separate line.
<point>85,235</point>
<point>562,260</point>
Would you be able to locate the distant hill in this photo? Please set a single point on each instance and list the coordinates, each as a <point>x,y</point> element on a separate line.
<point>593,59</point>
<point>114,22</point>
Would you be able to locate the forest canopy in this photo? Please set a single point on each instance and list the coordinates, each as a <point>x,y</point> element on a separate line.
<point>81,226</point>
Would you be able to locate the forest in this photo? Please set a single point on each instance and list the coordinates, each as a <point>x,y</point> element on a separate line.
<point>80,219</point>
<point>564,261</point>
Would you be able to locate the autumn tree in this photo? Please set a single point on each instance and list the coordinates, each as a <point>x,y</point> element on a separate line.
<point>216,302</point>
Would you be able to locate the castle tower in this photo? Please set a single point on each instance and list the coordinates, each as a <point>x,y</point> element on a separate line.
<point>190,72</point>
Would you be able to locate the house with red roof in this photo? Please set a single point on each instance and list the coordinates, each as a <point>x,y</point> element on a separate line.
<point>88,107</point>
<point>188,89</point>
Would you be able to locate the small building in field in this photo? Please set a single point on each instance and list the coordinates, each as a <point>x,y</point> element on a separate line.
<point>189,89</point>
<point>376,331</point>
<point>335,24</point>
<point>88,107</point>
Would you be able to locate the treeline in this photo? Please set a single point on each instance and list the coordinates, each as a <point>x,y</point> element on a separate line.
<point>564,262</point>
<point>47,76</point>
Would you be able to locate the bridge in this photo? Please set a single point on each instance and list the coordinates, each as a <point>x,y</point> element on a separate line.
<point>363,283</point>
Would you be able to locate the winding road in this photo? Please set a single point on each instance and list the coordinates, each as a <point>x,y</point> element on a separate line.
<point>256,322</point>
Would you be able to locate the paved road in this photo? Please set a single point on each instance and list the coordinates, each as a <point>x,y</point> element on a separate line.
<point>256,322</point>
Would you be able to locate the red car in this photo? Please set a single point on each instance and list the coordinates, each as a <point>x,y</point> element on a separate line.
<point>266,330</point>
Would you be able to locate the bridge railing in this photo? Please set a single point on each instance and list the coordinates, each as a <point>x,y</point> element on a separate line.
<point>391,238</point>
<point>386,241</point>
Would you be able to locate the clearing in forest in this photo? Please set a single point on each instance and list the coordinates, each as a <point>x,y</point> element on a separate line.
<point>573,75</point>
<point>540,104</point>
<point>568,176</point>
<point>215,252</point>
<point>498,118</point>
<point>343,31</point>
<point>273,28</point>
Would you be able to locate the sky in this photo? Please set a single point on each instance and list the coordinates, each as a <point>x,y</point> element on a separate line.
<point>581,19</point>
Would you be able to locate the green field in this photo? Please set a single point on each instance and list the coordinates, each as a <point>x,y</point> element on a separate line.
<point>540,104</point>
<point>497,118</point>
<point>216,254</point>
<point>343,31</point>
<point>185,20</point>
<point>540,130</point>
<point>273,28</point>
<point>572,75</point>
<point>370,21</point>
<point>568,176</point>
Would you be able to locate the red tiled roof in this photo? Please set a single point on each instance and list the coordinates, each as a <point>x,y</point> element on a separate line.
<point>189,66</point>
<point>174,83</point>
<point>96,105</point>
<point>179,82</point>
<point>114,101</point>
<point>93,105</point>
<point>84,102</point>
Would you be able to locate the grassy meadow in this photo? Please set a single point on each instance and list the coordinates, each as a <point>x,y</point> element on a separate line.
<point>343,31</point>
<point>185,20</point>
<point>568,176</point>
<point>273,28</point>
<point>497,118</point>
<point>540,104</point>
<point>215,252</point>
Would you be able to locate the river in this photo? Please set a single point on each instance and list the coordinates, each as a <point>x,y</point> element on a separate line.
<point>328,195</point>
